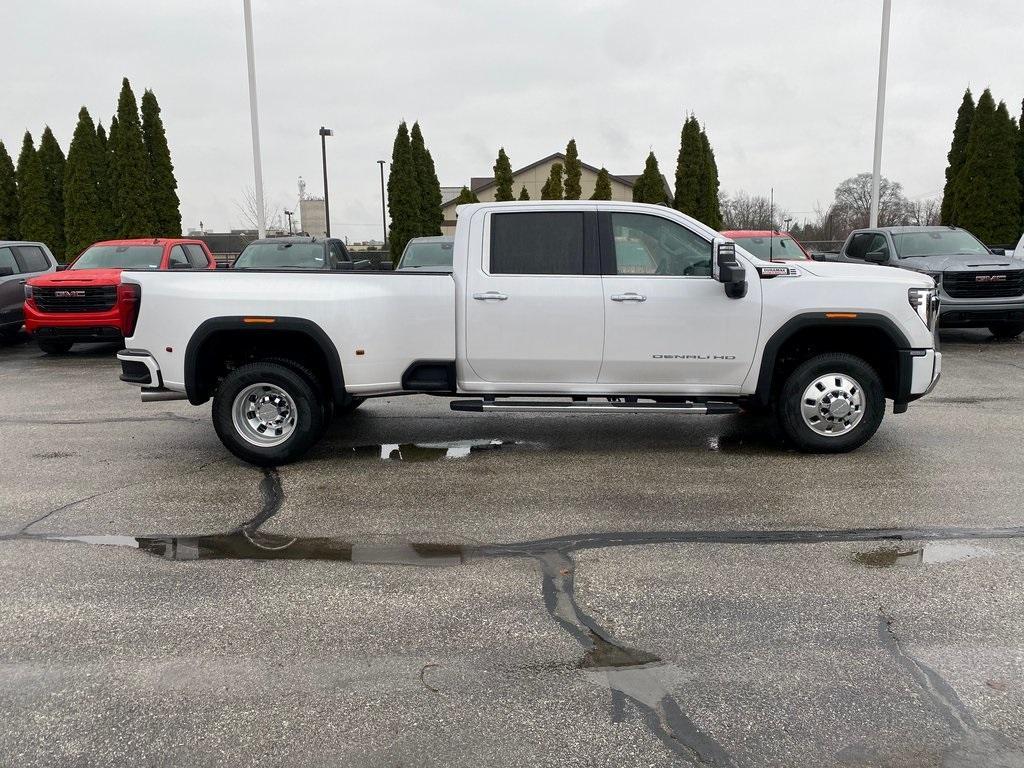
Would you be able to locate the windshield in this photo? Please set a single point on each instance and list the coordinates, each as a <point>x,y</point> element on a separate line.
<point>427,255</point>
<point>946,242</point>
<point>281,256</point>
<point>779,247</point>
<point>120,257</point>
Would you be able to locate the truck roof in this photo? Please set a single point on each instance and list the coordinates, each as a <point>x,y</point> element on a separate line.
<point>900,230</point>
<point>149,241</point>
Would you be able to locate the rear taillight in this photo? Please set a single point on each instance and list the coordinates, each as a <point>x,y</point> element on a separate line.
<point>129,298</point>
<point>28,292</point>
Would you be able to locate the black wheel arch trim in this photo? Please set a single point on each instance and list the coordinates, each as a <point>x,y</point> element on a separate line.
<point>237,323</point>
<point>806,320</point>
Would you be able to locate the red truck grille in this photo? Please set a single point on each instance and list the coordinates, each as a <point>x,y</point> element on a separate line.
<point>983,285</point>
<point>75,299</point>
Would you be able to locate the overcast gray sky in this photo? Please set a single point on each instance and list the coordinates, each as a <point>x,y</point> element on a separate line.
<point>786,90</point>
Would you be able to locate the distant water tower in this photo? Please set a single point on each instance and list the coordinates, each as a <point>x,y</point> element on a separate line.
<point>302,188</point>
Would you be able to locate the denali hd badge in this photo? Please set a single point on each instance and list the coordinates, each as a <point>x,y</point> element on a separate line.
<point>694,357</point>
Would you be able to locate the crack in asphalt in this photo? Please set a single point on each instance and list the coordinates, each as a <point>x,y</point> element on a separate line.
<point>166,416</point>
<point>632,675</point>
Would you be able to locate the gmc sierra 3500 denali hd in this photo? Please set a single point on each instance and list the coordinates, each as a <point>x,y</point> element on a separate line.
<point>567,306</point>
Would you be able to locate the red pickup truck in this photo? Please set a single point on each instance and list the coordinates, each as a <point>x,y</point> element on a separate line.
<point>87,302</point>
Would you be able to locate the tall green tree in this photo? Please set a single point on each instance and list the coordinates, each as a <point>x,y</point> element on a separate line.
<point>36,221</point>
<point>523,194</point>
<point>603,186</point>
<point>51,159</point>
<point>573,172</point>
<point>403,194</point>
<point>166,211</point>
<point>689,169</point>
<point>650,188</point>
<point>552,189</point>
<point>466,196</point>
<point>10,225</point>
<point>956,157</point>
<point>503,177</point>
<point>130,174</point>
<point>82,176</point>
<point>1020,160</point>
<point>105,212</point>
<point>988,191</point>
<point>430,216</point>
<point>710,204</point>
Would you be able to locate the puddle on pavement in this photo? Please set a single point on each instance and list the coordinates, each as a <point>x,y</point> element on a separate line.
<point>243,545</point>
<point>927,554</point>
<point>453,449</point>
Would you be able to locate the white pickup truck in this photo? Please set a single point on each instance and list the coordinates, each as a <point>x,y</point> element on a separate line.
<point>567,306</point>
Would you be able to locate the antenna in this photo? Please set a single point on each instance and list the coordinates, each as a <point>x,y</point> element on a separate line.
<point>771,218</point>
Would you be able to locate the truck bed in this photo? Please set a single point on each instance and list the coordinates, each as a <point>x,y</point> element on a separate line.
<point>381,322</point>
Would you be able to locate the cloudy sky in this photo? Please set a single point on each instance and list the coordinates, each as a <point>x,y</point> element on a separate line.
<point>786,90</point>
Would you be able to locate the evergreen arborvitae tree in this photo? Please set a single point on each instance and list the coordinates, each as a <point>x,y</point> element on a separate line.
<point>1020,161</point>
<point>503,178</point>
<point>988,192</point>
<point>403,194</point>
<point>10,226</point>
<point>603,186</point>
<point>650,188</point>
<point>162,184</point>
<point>51,159</point>
<point>430,216</point>
<point>82,176</point>
<point>689,169</point>
<point>710,206</point>
<point>466,196</point>
<point>573,172</point>
<point>130,175</point>
<point>105,211</point>
<point>552,189</point>
<point>523,194</point>
<point>36,222</point>
<point>957,155</point>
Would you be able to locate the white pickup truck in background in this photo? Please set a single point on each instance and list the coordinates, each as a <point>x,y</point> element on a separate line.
<point>579,307</point>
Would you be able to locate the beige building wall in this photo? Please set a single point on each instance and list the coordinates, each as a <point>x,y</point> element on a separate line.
<point>312,217</point>
<point>534,179</point>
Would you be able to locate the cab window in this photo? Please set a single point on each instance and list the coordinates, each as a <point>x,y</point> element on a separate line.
<point>197,256</point>
<point>867,242</point>
<point>541,243</point>
<point>8,266</point>
<point>32,258</point>
<point>178,259</point>
<point>652,245</point>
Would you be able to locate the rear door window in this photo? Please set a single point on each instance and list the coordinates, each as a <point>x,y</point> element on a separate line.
<point>196,256</point>
<point>338,253</point>
<point>178,259</point>
<point>537,243</point>
<point>859,245</point>
<point>32,258</point>
<point>8,266</point>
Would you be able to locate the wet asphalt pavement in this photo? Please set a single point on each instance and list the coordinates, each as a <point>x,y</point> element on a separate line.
<point>431,588</point>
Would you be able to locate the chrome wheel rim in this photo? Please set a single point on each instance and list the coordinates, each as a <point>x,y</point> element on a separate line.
<point>264,415</point>
<point>832,404</point>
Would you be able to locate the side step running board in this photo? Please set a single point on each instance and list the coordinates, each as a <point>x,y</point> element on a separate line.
<point>540,406</point>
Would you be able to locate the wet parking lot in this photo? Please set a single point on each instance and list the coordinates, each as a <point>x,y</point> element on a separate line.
<point>431,588</point>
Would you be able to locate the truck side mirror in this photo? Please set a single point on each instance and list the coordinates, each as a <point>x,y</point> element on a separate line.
<point>726,269</point>
<point>876,257</point>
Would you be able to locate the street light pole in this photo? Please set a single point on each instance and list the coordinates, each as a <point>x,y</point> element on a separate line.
<point>324,133</point>
<point>883,65</point>
<point>383,210</point>
<point>257,162</point>
<point>289,214</point>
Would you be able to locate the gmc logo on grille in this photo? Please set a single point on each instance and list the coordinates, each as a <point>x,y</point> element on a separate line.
<point>68,294</point>
<point>990,278</point>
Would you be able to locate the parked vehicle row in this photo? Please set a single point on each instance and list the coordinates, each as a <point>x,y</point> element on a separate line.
<point>556,306</point>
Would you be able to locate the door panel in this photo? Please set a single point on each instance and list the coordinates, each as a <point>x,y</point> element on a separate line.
<point>532,314</point>
<point>12,288</point>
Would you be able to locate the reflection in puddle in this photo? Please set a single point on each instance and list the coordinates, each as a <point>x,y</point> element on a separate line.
<point>927,554</point>
<point>453,449</point>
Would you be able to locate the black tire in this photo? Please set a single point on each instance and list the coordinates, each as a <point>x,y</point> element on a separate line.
<point>10,334</point>
<point>789,404</point>
<point>323,395</point>
<point>55,347</point>
<point>351,405</point>
<point>1006,330</point>
<point>308,422</point>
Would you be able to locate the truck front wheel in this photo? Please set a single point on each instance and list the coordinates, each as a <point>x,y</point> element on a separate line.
<point>267,414</point>
<point>831,403</point>
<point>1006,330</point>
<point>55,347</point>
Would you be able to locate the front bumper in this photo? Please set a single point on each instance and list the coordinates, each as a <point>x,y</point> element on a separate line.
<point>961,313</point>
<point>77,334</point>
<point>919,372</point>
<point>74,326</point>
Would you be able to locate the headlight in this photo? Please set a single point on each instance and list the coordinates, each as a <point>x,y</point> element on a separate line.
<point>925,301</point>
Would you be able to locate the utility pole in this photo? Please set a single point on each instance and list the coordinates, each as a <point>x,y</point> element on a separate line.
<point>324,133</point>
<point>383,210</point>
<point>883,65</point>
<point>257,161</point>
<point>289,214</point>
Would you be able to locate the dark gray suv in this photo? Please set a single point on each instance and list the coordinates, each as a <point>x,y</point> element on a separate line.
<point>19,260</point>
<point>977,287</point>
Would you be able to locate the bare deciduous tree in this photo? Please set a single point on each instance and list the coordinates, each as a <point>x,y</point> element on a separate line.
<point>248,210</point>
<point>743,211</point>
<point>925,213</point>
<point>853,202</point>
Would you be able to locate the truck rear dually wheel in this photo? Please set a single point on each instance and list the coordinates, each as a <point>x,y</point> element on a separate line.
<point>831,403</point>
<point>267,414</point>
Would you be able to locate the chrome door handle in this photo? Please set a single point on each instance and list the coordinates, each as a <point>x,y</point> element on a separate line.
<point>490,296</point>
<point>628,297</point>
